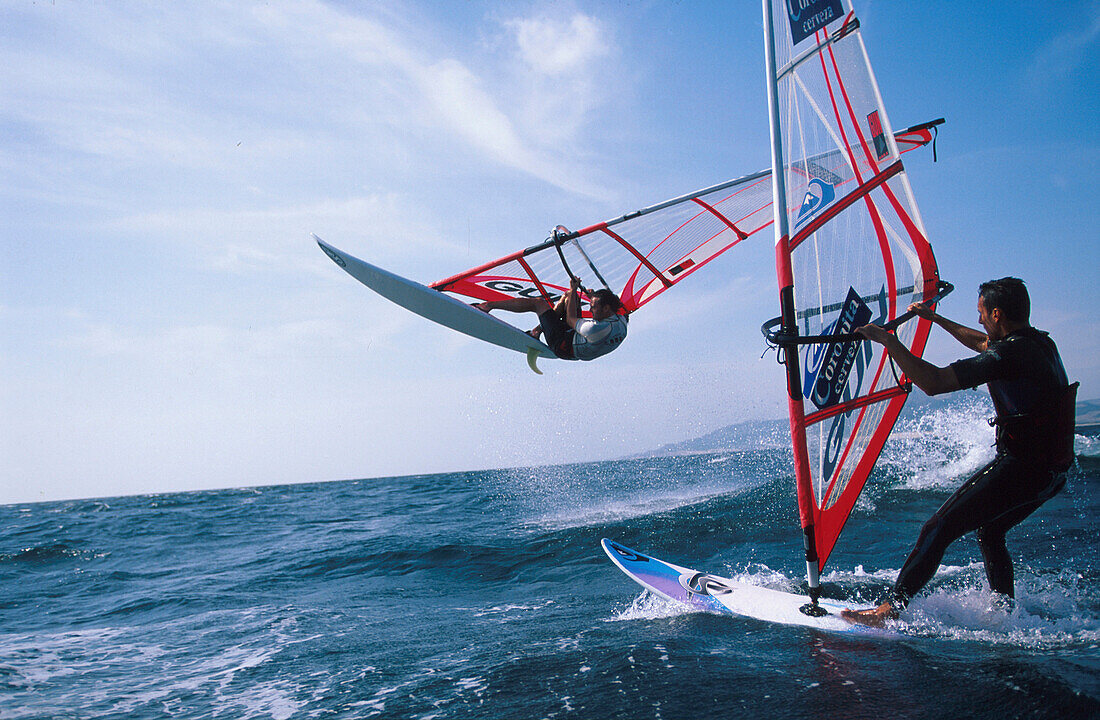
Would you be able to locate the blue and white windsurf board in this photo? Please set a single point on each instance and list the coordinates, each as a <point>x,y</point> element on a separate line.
<point>712,593</point>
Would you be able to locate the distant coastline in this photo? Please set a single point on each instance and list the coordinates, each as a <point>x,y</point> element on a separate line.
<point>1088,418</point>
<point>755,434</point>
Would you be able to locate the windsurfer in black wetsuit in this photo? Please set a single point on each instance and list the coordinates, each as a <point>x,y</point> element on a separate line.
<point>1035,407</point>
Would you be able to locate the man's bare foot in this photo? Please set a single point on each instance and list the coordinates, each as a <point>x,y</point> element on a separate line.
<point>535,332</point>
<point>482,306</point>
<point>872,617</point>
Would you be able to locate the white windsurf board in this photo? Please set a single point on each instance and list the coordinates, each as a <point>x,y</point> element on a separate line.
<point>437,306</point>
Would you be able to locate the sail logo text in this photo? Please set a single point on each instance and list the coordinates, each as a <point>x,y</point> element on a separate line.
<point>831,378</point>
<point>809,16</point>
<point>848,387</point>
<point>515,289</point>
<point>334,256</point>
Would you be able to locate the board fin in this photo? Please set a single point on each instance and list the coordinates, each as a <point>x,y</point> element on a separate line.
<point>532,358</point>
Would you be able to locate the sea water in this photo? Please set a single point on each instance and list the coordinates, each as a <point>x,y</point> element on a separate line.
<point>486,594</point>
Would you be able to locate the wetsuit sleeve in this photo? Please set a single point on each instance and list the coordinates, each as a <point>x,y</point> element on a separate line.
<point>980,369</point>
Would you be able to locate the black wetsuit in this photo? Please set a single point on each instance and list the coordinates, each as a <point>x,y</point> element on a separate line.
<point>1034,405</point>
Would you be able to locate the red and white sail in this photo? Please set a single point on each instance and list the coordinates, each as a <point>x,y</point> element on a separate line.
<point>643,253</point>
<point>850,249</point>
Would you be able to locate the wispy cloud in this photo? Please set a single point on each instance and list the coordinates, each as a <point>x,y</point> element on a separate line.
<point>473,106</point>
<point>182,85</point>
<point>439,91</point>
<point>1066,53</point>
<point>245,239</point>
<point>560,47</point>
<point>565,71</point>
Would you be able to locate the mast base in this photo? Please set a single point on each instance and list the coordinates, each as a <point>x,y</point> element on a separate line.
<point>813,610</point>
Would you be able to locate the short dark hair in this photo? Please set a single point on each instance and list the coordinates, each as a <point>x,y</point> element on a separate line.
<point>608,298</point>
<point>1007,295</point>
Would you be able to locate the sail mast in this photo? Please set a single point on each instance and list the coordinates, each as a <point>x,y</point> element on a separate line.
<point>789,325</point>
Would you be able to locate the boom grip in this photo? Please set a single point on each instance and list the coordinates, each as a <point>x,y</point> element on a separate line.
<point>782,339</point>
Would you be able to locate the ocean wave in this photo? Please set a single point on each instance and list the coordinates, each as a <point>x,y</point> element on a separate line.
<point>485,593</point>
<point>41,555</point>
<point>155,669</point>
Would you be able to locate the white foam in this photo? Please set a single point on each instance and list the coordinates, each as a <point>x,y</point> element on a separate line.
<point>943,443</point>
<point>503,610</point>
<point>1050,610</point>
<point>564,497</point>
<point>586,513</point>
<point>651,606</point>
<point>761,575</point>
<point>1086,446</point>
<point>118,669</point>
<point>274,700</point>
<point>478,685</point>
<point>1039,619</point>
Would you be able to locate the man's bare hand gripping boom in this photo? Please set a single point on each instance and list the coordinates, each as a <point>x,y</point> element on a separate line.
<point>931,379</point>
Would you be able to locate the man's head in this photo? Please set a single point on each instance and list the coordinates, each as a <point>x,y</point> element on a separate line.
<point>604,304</point>
<point>1003,306</point>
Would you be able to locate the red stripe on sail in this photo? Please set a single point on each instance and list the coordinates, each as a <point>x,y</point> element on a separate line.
<point>820,415</point>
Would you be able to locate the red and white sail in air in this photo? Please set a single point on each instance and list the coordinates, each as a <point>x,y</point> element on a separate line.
<point>643,253</point>
<point>850,249</point>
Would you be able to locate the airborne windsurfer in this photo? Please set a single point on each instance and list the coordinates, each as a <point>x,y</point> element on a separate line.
<point>569,335</point>
<point>1034,403</point>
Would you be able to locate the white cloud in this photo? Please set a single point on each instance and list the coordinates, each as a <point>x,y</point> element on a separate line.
<point>180,87</point>
<point>565,72</point>
<point>560,47</point>
<point>459,98</point>
<point>467,104</point>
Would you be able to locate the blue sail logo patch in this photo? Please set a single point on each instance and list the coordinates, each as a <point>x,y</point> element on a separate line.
<point>819,194</point>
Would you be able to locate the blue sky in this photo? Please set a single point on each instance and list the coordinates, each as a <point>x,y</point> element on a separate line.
<point>166,323</point>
